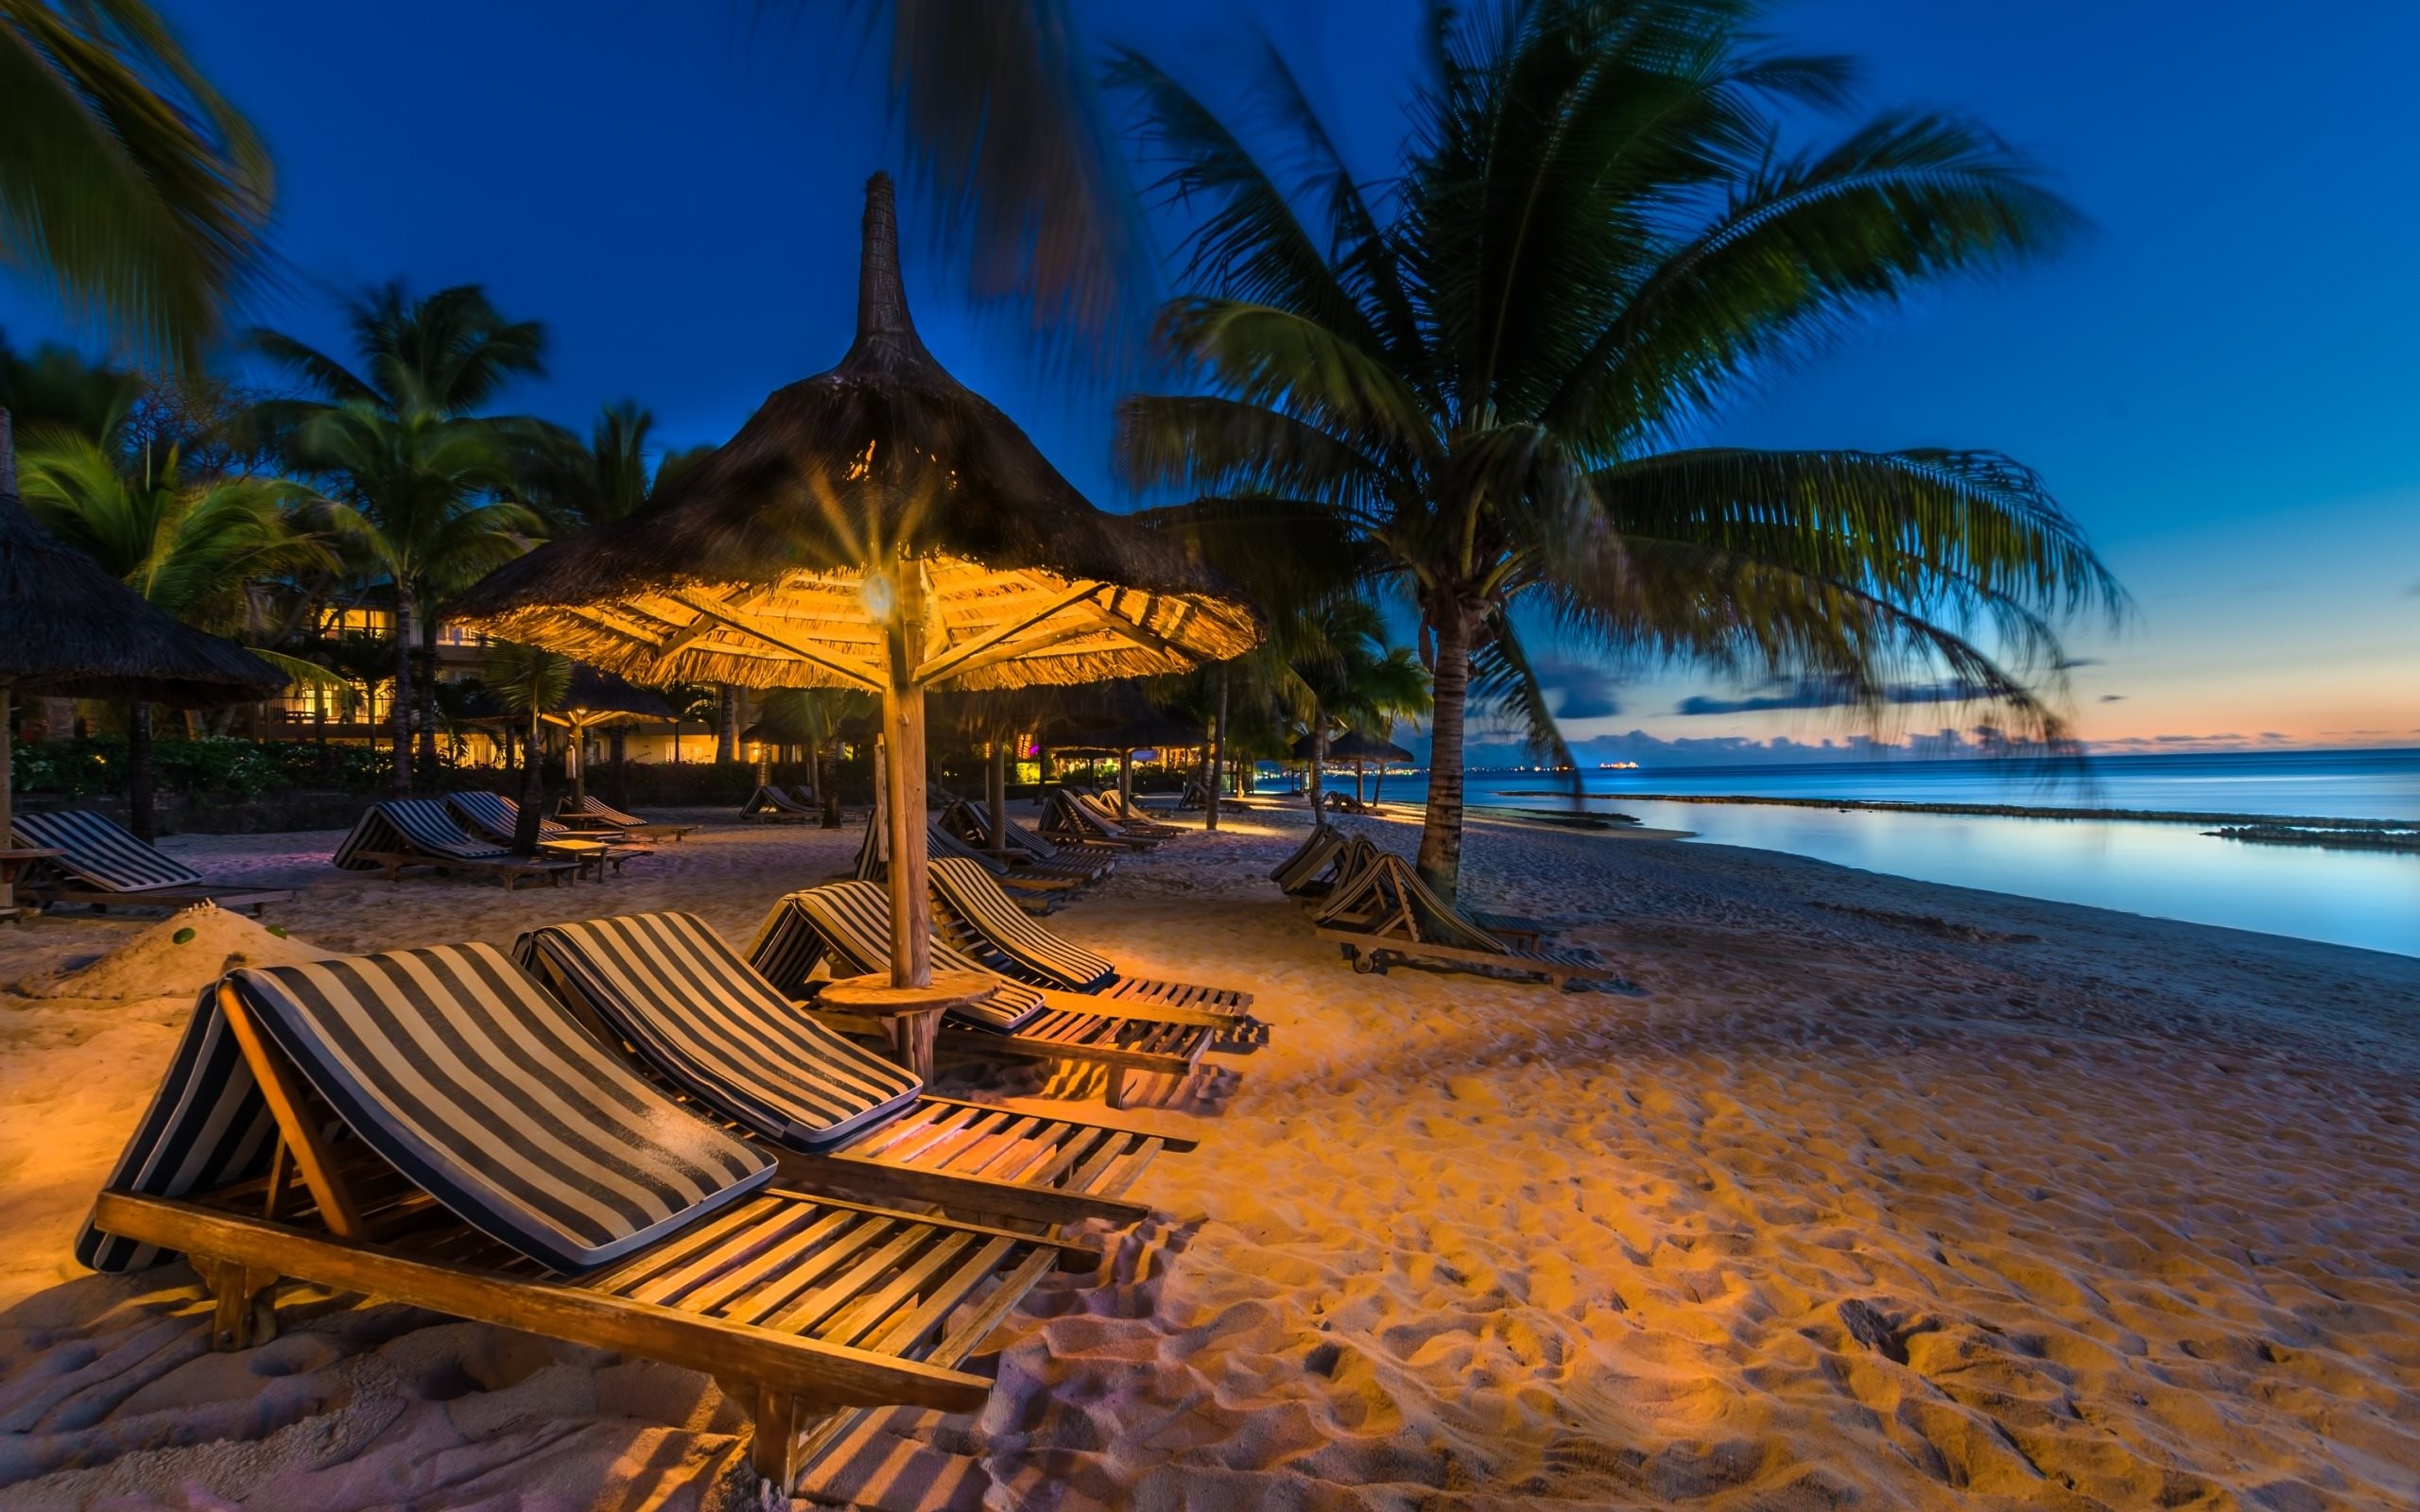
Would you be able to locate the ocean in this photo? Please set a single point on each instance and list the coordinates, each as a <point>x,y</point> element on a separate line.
<point>2368,900</point>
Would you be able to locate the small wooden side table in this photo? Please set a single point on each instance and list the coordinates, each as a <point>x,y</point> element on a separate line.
<point>591,854</point>
<point>910,1016</point>
<point>13,860</point>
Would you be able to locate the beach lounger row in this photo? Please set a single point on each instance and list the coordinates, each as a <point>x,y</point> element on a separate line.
<point>1372,906</point>
<point>1023,850</point>
<point>845,928</point>
<point>771,805</point>
<point>586,812</point>
<point>1071,816</point>
<point>1038,888</point>
<point>404,833</point>
<point>531,1176</point>
<point>101,865</point>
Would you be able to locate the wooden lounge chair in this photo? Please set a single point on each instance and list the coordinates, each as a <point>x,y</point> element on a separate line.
<point>106,868</point>
<point>422,832</point>
<point>498,817</point>
<point>1025,849</point>
<point>771,805</point>
<point>1066,818</point>
<point>1104,811</point>
<point>1384,913</point>
<point>984,923</point>
<point>529,1178</point>
<point>1311,864</point>
<point>591,813</point>
<point>701,1020</point>
<point>1037,889</point>
<point>848,924</point>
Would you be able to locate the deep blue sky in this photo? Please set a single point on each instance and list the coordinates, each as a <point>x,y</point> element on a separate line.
<point>2219,381</point>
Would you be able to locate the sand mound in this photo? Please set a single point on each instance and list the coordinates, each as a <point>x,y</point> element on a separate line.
<point>175,958</point>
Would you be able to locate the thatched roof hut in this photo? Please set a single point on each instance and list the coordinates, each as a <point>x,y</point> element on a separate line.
<point>71,631</point>
<point>1353,746</point>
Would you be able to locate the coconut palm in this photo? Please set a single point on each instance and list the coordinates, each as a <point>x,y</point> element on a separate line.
<point>528,681</point>
<point>1487,370</point>
<point>128,186</point>
<point>606,477</point>
<point>201,551</point>
<point>422,477</point>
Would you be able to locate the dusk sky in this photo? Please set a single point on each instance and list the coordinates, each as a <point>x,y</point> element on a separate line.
<point>2219,381</point>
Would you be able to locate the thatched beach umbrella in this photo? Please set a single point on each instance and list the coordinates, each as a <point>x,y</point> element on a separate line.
<point>1356,747</point>
<point>1144,728</point>
<point>876,527</point>
<point>592,699</point>
<point>71,631</point>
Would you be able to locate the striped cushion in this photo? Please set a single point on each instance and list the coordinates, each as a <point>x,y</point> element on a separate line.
<point>670,985</point>
<point>101,853</point>
<point>207,1127</point>
<point>498,817</point>
<point>455,1066</point>
<point>421,825</point>
<point>589,807</point>
<point>849,923</point>
<point>970,891</point>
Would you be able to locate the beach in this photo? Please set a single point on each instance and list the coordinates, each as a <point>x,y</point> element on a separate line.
<point>1864,1192</point>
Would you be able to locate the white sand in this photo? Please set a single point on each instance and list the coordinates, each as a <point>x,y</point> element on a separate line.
<point>1881,1195</point>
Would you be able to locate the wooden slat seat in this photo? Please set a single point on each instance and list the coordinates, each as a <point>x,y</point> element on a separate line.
<point>103,867</point>
<point>1383,913</point>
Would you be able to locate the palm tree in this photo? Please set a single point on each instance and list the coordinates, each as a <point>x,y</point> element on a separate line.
<point>421,477</point>
<point>127,184</point>
<point>528,681</point>
<point>1595,243</point>
<point>199,551</point>
<point>576,484</point>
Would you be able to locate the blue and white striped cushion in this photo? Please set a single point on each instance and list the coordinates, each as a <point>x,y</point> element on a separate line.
<point>423,825</point>
<point>850,924</point>
<point>101,853</point>
<point>453,1065</point>
<point>969,892</point>
<point>498,817</point>
<point>670,985</point>
<point>207,1127</point>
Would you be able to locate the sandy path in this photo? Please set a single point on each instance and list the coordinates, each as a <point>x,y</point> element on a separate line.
<point>1879,1194</point>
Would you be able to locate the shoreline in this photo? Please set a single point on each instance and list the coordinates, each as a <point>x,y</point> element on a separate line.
<point>1994,811</point>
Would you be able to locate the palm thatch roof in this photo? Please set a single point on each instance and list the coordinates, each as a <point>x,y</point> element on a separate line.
<point>69,629</point>
<point>1353,746</point>
<point>762,564</point>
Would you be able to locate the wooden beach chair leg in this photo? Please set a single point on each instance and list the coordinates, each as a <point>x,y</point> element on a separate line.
<point>779,1418</point>
<point>246,1303</point>
<point>1115,1095</point>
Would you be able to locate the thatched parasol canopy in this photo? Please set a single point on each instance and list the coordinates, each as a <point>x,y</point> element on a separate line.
<point>876,527</point>
<point>1353,746</point>
<point>70,629</point>
<point>768,564</point>
<point>591,697</point>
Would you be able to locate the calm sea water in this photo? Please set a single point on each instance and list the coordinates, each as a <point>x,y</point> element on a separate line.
<point>2171,871</point>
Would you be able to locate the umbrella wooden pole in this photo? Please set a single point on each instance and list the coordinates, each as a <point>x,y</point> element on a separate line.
<point>1217,757</point>
<point>903,731</point>
<point>995,792</point>
<point>1125,780</point>
<point>7,774</point>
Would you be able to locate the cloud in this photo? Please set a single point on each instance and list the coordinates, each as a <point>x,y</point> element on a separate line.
<point>2112,697</point>
<point>2070,663</point>
<point>1579,689</point>
<point>1822,694</point>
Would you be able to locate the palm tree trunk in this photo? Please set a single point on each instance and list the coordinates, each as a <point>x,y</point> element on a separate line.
<point>618,744</point>
<point>525,830</point>
<point>400,713</point>
<point>1319,755</point>
<point>138,771</point>
<point>1441,832</point>
<point>427,691</point>
<point>995,797</point>
<point>828,780</point>
<point>1217,757</point>
<point>727,738</point>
